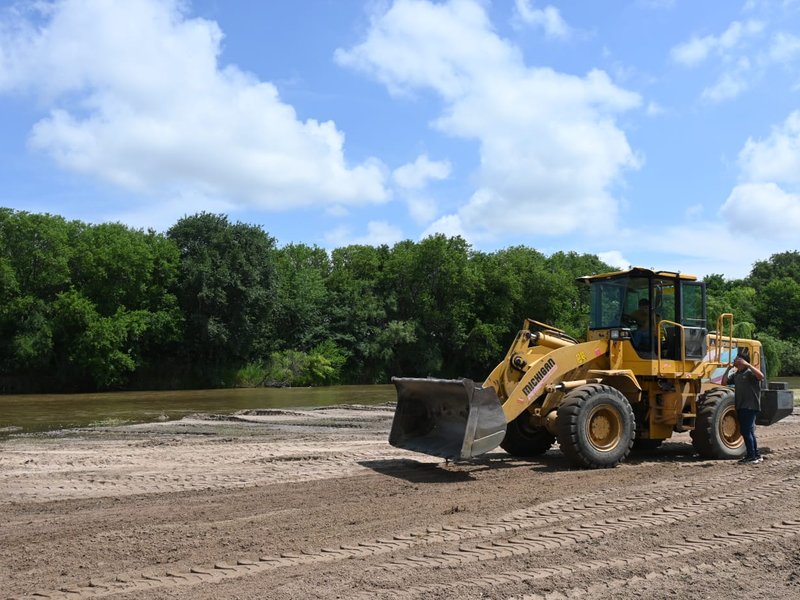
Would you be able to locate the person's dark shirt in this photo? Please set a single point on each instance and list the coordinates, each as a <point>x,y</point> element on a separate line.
<point>747,392</point>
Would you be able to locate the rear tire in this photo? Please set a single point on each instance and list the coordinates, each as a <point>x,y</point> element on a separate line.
<point>596,426</point>
<point>716,433</point>
<point>524,439</point>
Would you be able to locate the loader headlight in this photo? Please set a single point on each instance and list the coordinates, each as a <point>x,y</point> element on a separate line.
<point>620,334</point>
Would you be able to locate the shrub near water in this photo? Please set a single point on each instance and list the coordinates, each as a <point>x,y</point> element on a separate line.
<point>251,375</point>
<point>289,368</point>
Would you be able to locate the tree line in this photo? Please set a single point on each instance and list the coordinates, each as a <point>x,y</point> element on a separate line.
<point>215,303</point>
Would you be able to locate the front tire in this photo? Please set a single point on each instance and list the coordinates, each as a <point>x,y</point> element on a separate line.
<point>716,433</point>
<point>524,439</point>
<point>596,426</point>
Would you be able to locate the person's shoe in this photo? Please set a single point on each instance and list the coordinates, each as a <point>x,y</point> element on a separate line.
<point>757,460</point>
<point>744,460</point>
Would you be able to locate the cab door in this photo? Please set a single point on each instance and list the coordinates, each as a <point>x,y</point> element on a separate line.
<point>692,308</point>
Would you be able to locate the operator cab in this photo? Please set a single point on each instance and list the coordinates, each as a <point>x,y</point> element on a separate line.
<point>656,310</point>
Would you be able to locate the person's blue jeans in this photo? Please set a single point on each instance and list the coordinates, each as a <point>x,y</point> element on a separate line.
<point>747,425</point>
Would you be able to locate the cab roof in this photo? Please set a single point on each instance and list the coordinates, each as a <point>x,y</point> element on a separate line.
<point>638,272</point>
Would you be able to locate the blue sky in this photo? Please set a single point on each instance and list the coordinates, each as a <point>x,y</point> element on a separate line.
<point>658,133</point>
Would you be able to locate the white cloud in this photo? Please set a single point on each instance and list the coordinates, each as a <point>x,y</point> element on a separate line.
<point>766,204</point>
<point>654,109</point>
<point>337,210</point>
<point>550,149</point>
<point>698,49</point>
<point>728,86</point>
<point>710,247</point>
<point>729,47</point>
<point>693,52</point>
<point>775,159</point>
<point>167,211</point>
<point>784,48</point>
<point>422,209</point>
<point>416,175</point>
<point>449,225</point>
<point>378,233</point>
<point>763,209</point>
<point>137,97</point>
<point>700,248</point>
<point>743,54</point>
<point>614,258</point>
<point>548,18</point>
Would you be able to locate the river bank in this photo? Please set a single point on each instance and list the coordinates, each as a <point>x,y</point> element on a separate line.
<point>46,412</point>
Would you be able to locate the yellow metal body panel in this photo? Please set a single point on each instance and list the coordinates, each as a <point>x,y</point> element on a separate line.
<point>625,356</point>
<point>566,363</point>
<point>537,362</point>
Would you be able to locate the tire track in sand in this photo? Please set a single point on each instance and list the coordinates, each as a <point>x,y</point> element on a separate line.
<point>127,481</point>
<point>691,546</point>
<point>497,549</point>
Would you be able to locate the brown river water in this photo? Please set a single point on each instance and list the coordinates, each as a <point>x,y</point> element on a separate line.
<point>45,412</point>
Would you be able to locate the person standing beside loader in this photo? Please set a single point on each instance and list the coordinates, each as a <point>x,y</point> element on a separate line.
<point>747,397</point>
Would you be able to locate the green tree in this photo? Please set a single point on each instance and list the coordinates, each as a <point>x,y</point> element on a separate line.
<point>778,308</point>
<point>114,266</point>
<point>226,289</point>
<point>35,251</point>
<point>361,299</point>
<point>27,335</point>
<point>103,350</point>
<point>738,299</point>
<point>513,284</point>
<point>569,266</point>
<point>320,366</point>
<point>783,264</point>
<point>38,248</point>
<point>302,303</point>
<point>716,284</point>
<point>434,283</point>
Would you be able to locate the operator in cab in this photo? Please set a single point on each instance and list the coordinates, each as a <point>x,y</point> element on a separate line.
<point>641,316</point>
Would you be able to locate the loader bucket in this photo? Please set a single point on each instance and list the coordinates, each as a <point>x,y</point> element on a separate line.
<point>451,418</point>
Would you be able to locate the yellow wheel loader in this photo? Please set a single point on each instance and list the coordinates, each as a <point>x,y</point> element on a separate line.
<point>649,367</point>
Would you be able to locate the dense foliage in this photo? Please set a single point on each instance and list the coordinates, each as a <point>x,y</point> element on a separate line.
<point>766,305</point>
<point>215,303</point>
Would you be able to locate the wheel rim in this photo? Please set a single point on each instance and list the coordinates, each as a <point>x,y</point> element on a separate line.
<point>604,427</point>
<point>729,432</point>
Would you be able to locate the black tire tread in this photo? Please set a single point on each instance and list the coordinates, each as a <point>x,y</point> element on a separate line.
<point>568,414</point>
<point>518,443</point>
<point>703,433</point>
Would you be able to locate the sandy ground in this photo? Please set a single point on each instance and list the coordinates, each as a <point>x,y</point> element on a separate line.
<point>316,504</point>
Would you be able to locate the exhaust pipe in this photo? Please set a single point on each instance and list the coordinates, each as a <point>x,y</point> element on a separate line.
<point>451,418</point>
